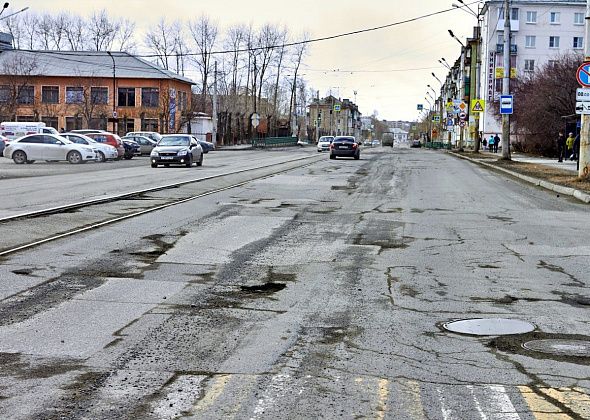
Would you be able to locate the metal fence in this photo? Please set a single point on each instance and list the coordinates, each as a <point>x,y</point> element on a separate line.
<point>274,142</point>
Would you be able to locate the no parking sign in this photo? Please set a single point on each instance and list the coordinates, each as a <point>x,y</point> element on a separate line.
<point>583,75</point>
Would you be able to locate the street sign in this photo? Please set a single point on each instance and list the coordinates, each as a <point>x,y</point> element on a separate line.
<point>478,105</point>
<point>462,123</point>
<point>450,122</point>
<point>583,75</point>
<point>255,120</point>
<point>462,116</point>
<point>582,95</point>
<point>506,104</point>
<point>436,118</point>
<point>114,114</point>
<point>583,108</point>
<point>420,107</point>
<point>337,107</point>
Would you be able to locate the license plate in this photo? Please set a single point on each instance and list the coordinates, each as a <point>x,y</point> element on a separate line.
<point>166,157</point>
<point>343,147</point>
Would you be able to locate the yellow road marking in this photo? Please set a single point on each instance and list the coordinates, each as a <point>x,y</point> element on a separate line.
<point>215,391</point>
<point>541,408</point>
<point>383,395</point>
<point>575,399</point>
<point>411,391</point>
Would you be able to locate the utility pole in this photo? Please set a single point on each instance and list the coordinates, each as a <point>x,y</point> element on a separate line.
<point>214,110</point>
<point>114,116</point>
<point>506,82</point>
<point>477,79</point>
<point>584,155</point>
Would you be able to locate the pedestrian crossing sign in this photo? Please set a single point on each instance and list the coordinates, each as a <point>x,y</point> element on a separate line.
<point>478,105</point>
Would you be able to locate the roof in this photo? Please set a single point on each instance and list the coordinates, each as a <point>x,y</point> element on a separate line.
<point>533,2</point>
<point>90,64</point>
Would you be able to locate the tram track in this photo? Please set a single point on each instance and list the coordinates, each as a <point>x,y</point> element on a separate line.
<point>42,215</point>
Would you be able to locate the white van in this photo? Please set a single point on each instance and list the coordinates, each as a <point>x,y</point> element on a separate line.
<point>16,130</point>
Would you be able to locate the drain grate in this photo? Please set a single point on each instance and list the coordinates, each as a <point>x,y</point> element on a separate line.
<point>575,348</point>
<point>489,326</point>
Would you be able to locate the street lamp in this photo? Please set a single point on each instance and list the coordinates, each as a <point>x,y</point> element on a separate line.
<point>437,79</point>
<point>444,63</point>
<point>431,88</point>
<point>4,8</point>
<point>455,38</point>
<point>12,14</point>
<point>465,7</point>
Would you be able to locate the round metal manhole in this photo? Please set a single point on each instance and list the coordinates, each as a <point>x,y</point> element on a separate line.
<point>574,348</point>
<point>489,326</point>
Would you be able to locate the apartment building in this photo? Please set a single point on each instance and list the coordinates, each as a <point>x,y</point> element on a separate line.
<point>334,116</point>
<point>541,32</point>
<point>93,89</point>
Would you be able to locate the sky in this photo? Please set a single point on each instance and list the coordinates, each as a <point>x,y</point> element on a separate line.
<point>389,69</point>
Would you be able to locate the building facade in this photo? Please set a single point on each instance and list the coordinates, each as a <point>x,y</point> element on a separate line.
<point>541,31</point>
<point>115,91</point>
<point>336,117</point>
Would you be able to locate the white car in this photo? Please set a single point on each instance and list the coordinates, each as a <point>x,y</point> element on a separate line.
<point>50,147</point>
<point>324,143</point>
<point>105,151</point>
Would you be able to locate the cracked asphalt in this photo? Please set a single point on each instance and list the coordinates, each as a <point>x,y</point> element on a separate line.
<point>319,292</point>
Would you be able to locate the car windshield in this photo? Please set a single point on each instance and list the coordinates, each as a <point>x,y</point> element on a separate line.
<point>174,141</point>
<point>328,139</point>
<point>344,139</point>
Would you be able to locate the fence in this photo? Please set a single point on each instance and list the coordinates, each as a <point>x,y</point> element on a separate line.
<point>274,142</point>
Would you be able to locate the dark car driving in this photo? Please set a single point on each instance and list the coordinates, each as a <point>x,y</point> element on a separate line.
<point>177,149</point>
<point>345,146</point>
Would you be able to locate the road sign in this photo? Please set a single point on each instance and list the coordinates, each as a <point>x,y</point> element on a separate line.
<point>506,104</point>
<point>583,108</point>
<point>436,118</point>
<point>114,114</point>
<point>420,107</point>
<point>450,122</point>
<point>255,120</point>
<point>582,95</point>
<point>462,123</point>
<point>478,105</point>
<point>462,116</point>
<point>583,75</point>
<point>337,107</point>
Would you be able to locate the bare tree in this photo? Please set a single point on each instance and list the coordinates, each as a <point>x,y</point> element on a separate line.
<point>161,40</point>
<point>266,42</point>
<point>102,31</point>
<point>75,32</point>
<point>204,33</point>
<point>125,38</point>
<point>17,72</point>
<point>299,52</point>
<point>282,39</point>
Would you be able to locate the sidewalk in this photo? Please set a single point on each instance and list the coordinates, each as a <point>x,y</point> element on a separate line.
<point>560,177</point>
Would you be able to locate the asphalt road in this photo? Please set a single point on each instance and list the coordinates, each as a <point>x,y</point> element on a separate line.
<point>319,292</point>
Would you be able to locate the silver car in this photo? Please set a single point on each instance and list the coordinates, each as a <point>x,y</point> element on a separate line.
<point>177,149</point>
<point>105,151</point>
<point>50,147</point>
<point>324,143</point>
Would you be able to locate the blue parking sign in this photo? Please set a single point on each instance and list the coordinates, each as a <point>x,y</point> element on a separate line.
<point>506,104</point>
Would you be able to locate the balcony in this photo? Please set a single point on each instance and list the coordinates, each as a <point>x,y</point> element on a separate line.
<point>500,49</point>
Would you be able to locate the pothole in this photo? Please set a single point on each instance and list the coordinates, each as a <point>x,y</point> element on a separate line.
<point>266,288</point>
<point>571,348</point>
<point>489,326</point>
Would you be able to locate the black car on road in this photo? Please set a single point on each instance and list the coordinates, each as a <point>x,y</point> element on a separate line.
<point>177,149</point>
<point>345,146</point>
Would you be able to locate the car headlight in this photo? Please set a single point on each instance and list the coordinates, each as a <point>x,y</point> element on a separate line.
<point>182,152</point>
<point>154,153</point>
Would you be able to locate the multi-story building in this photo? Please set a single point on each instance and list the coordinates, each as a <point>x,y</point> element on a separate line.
<point>333,116</point>
<point>541,31</point>
<point>107,90</point>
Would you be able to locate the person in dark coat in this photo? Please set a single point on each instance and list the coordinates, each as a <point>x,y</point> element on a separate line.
<point>576,154</point>
<point>560,147</point>
<point>496,143</point>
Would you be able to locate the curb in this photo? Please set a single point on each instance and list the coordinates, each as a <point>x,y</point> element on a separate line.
<point>560,189</point>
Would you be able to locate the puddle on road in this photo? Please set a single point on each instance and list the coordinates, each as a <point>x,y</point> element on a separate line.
<point>489,326</point>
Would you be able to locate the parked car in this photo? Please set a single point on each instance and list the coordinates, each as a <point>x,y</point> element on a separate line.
<point>131,148</point>
<point>14,130</point>
<point>149,134</point>
<point>145,144</point>
<point>87,131</point>
<point>375,143</point>
<point>324,143</point>
<point>108,138</point>
<point>49,147</point>
<point>367,143</point>
<point>345,146</point>
<point>180,149</point>
<point>416,143</point>
<point>105,151</point>
<point>3,143</point>
<point>207,146</point>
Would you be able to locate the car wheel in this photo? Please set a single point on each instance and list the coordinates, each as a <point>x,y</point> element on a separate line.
<point>74,157</point>
<point>189,162</point>
<point>357,156</point>
<point>19,157</point>
<point>102,157</point>
<point>30,162</point>
<point>154,165</point>
<point>200,161</point>
<point>127,157</point>
<point>332,157</point>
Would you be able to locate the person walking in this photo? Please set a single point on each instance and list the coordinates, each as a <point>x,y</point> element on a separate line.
<point>569,143</point>
<point>560,147</point>
<point>485,144</point>
<point>496,142</point>
<point>491,144</point>
<point>576,148</point>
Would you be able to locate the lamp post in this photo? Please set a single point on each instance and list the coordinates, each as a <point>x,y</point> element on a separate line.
<point>444,63</point>
<point>439,103</point>
<point>114,89</point>
<point>506,82</point>
<point>584,155</point>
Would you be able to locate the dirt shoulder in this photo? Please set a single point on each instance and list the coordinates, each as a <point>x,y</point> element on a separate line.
<point>546,173</point>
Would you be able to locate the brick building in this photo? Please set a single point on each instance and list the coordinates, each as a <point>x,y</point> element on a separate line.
<point>115,91</point>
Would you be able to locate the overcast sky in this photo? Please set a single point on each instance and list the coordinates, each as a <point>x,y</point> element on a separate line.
<point>365,61</point>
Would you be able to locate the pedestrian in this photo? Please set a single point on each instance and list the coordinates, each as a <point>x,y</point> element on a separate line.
<point>491,144</point>
<point>569,143</point>
<point>576,148</point>
<point>485,144</point>
<point>560,147</point>
<point>496,142</point>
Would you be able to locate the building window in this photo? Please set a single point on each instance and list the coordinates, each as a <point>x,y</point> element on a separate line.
<point>500,38</point>
<point>149,124</point>
<point>99,95</point>
<point>531,17</point>
<point>530,41</point>
<point>26,118</point>
<point>514,13</point>
<point>99,123</point>
<point>529,65</point>
<point>4,94</point>
<point>73,123</point>
<point>26,95</point>
<point>50,122</point>
<point>578,18</point>
<point>150,97</point>
<point>126,97</point>
<point>50,94</point>
<point>74,95</point>
<point>578,42</point>
<point>552,63</point>
<point>554,18</point>
<point>553,42</point>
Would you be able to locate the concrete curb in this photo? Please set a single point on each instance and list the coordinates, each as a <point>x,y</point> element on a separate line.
<point>560,189</point>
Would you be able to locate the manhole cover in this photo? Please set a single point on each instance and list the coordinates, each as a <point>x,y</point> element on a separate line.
<point>576,348</point>
<point>489,326</point>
